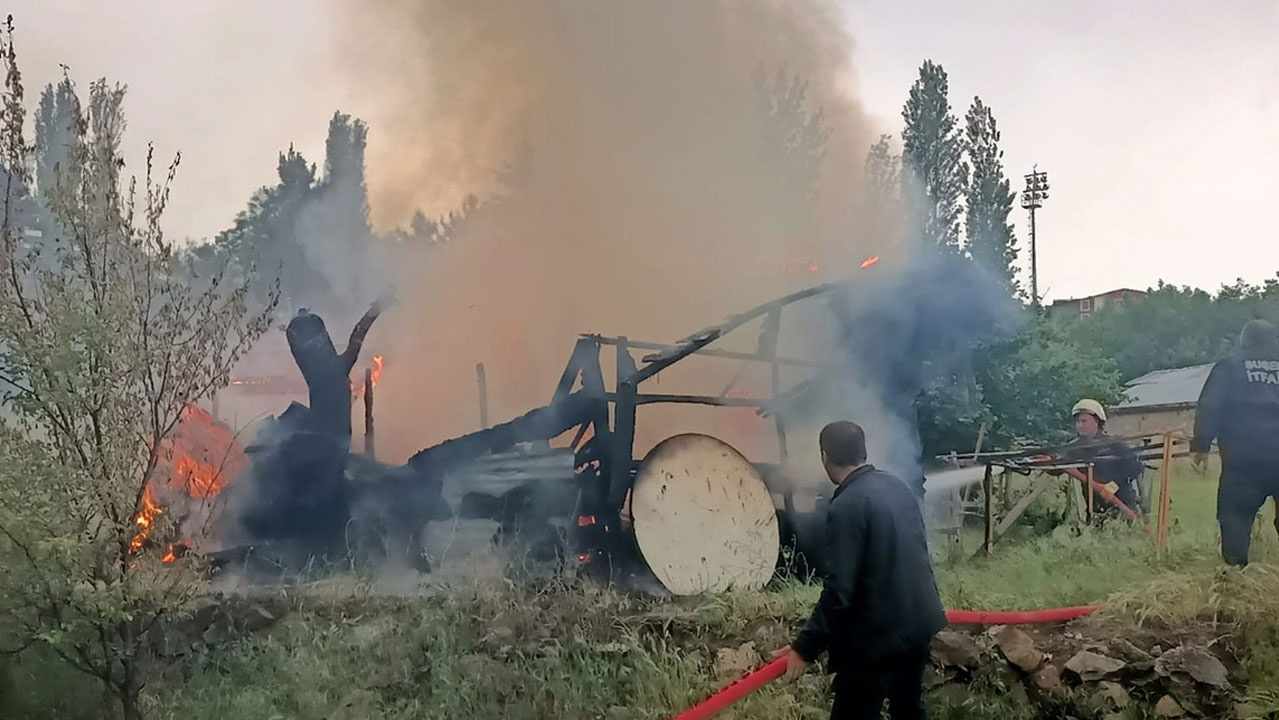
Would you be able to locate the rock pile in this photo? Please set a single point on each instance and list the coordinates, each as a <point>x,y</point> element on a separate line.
<point>1095,670</point>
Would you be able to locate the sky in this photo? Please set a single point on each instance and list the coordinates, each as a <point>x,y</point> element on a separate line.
<point>1157,121</point>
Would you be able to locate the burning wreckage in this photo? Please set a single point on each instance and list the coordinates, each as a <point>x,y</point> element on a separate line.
<point>694,512</point>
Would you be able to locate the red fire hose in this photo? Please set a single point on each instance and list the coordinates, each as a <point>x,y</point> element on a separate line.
<point>1107,494</point>
<point>757,679</point>
<point>740,688</point>
<point>1018,617</point>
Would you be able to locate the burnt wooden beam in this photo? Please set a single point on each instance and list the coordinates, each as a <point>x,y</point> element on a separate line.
<point>623,441</point>
<point>369,444</point>
<point>583,350</point>
<point>699,340</point>
<point>988,486</point>
<point>654,398</point>
<point>768,347</point>
<point>708,352</point>
<point>543,423</point>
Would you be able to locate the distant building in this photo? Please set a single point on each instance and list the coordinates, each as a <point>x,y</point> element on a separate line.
<point>1160,401</point>
<point>1085,306</point>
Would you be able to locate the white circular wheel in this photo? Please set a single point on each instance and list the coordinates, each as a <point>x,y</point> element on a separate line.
<point>704,520</point>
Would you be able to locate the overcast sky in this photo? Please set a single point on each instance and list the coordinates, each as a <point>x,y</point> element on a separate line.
<point>1157,121</point>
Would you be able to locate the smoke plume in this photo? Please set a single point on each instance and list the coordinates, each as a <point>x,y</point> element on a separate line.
<point>644,169</point>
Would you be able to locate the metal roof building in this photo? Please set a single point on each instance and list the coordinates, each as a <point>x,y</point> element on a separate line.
<point>1160,401</point>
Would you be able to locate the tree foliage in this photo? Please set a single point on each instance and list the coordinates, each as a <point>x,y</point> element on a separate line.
<point>312,231</point>
<point>934,173</point>
<point>105,340</point>
<point>881,209</point>
<point>991,241</point>
<point>1176,326</point>
<point>55,126</point>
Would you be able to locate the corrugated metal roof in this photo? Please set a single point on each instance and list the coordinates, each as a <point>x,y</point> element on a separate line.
<point>1167,387</point>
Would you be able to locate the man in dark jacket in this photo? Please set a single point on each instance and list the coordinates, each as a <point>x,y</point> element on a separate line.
<point>879,607</point>
<point>1239,408</point>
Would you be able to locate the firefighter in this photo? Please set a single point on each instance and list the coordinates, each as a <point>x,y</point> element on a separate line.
<point>1115,464</point>
<point>879,608</point>
<point>1239,408</point>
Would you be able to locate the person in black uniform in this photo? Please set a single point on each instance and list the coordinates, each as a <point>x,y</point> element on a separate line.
<point>879,607</point>
<point>1115,464</point>
<point>1239,408</point>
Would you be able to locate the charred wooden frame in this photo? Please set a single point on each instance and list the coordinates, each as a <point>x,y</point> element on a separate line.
<point>604,418</point>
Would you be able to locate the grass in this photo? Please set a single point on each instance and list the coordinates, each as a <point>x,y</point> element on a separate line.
<point>517,651</point>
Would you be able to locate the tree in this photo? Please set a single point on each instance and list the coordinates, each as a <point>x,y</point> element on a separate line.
<point>1176,326</point>
<point>991,241</point>
<point>794,139</point>
<point>265,235</point>
<point>933,171</point>
<point>1030,382</point>
<point>55,119</point>
<point>105,341</point>
<point>314,233</point>
<point>881,202</point>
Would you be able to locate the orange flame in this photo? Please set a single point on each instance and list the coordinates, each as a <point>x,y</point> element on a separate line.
<point>197,459</point>
<point>378,362</point>
<point>802,265</point>
<point>145,519</point>
<point>870,261</point>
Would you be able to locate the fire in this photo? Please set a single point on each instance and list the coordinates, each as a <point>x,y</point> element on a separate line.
<point>197,459</point>
<point>145,519</point>
<point>802,265</point>
<point>870,261</point>
<point>378,362</point>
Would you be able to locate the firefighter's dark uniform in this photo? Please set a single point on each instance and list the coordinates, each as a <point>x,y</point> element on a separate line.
<point>1239,408</point>
<point>879,607</point>
<point>1114,461</point>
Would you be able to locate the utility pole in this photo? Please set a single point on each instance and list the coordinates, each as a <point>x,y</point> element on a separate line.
<point>1032,198</point>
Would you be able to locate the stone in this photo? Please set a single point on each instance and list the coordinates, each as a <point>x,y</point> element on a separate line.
<point>1202,666</point>
<point>731,664</point>
<point>1124,649</point>
<point>1112,696</point>
<point>1090,666</point>
<point>1168,708</point>
<point>955,649</point>
<point>1020,649</point>
<point>1048,679</point>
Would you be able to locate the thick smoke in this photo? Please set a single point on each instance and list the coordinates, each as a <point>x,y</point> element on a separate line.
<point>645,168</point>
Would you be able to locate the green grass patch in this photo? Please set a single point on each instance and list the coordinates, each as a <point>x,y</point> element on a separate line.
<point>517,651</point>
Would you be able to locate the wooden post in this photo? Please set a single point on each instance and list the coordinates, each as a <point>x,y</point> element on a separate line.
<point>1092,496</point>
<point>623,425</point>
<point>981,437</point>
<point>1165,493</point>
<point>481,381</point>
<point>369,448</point>
<point>988,485</point>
